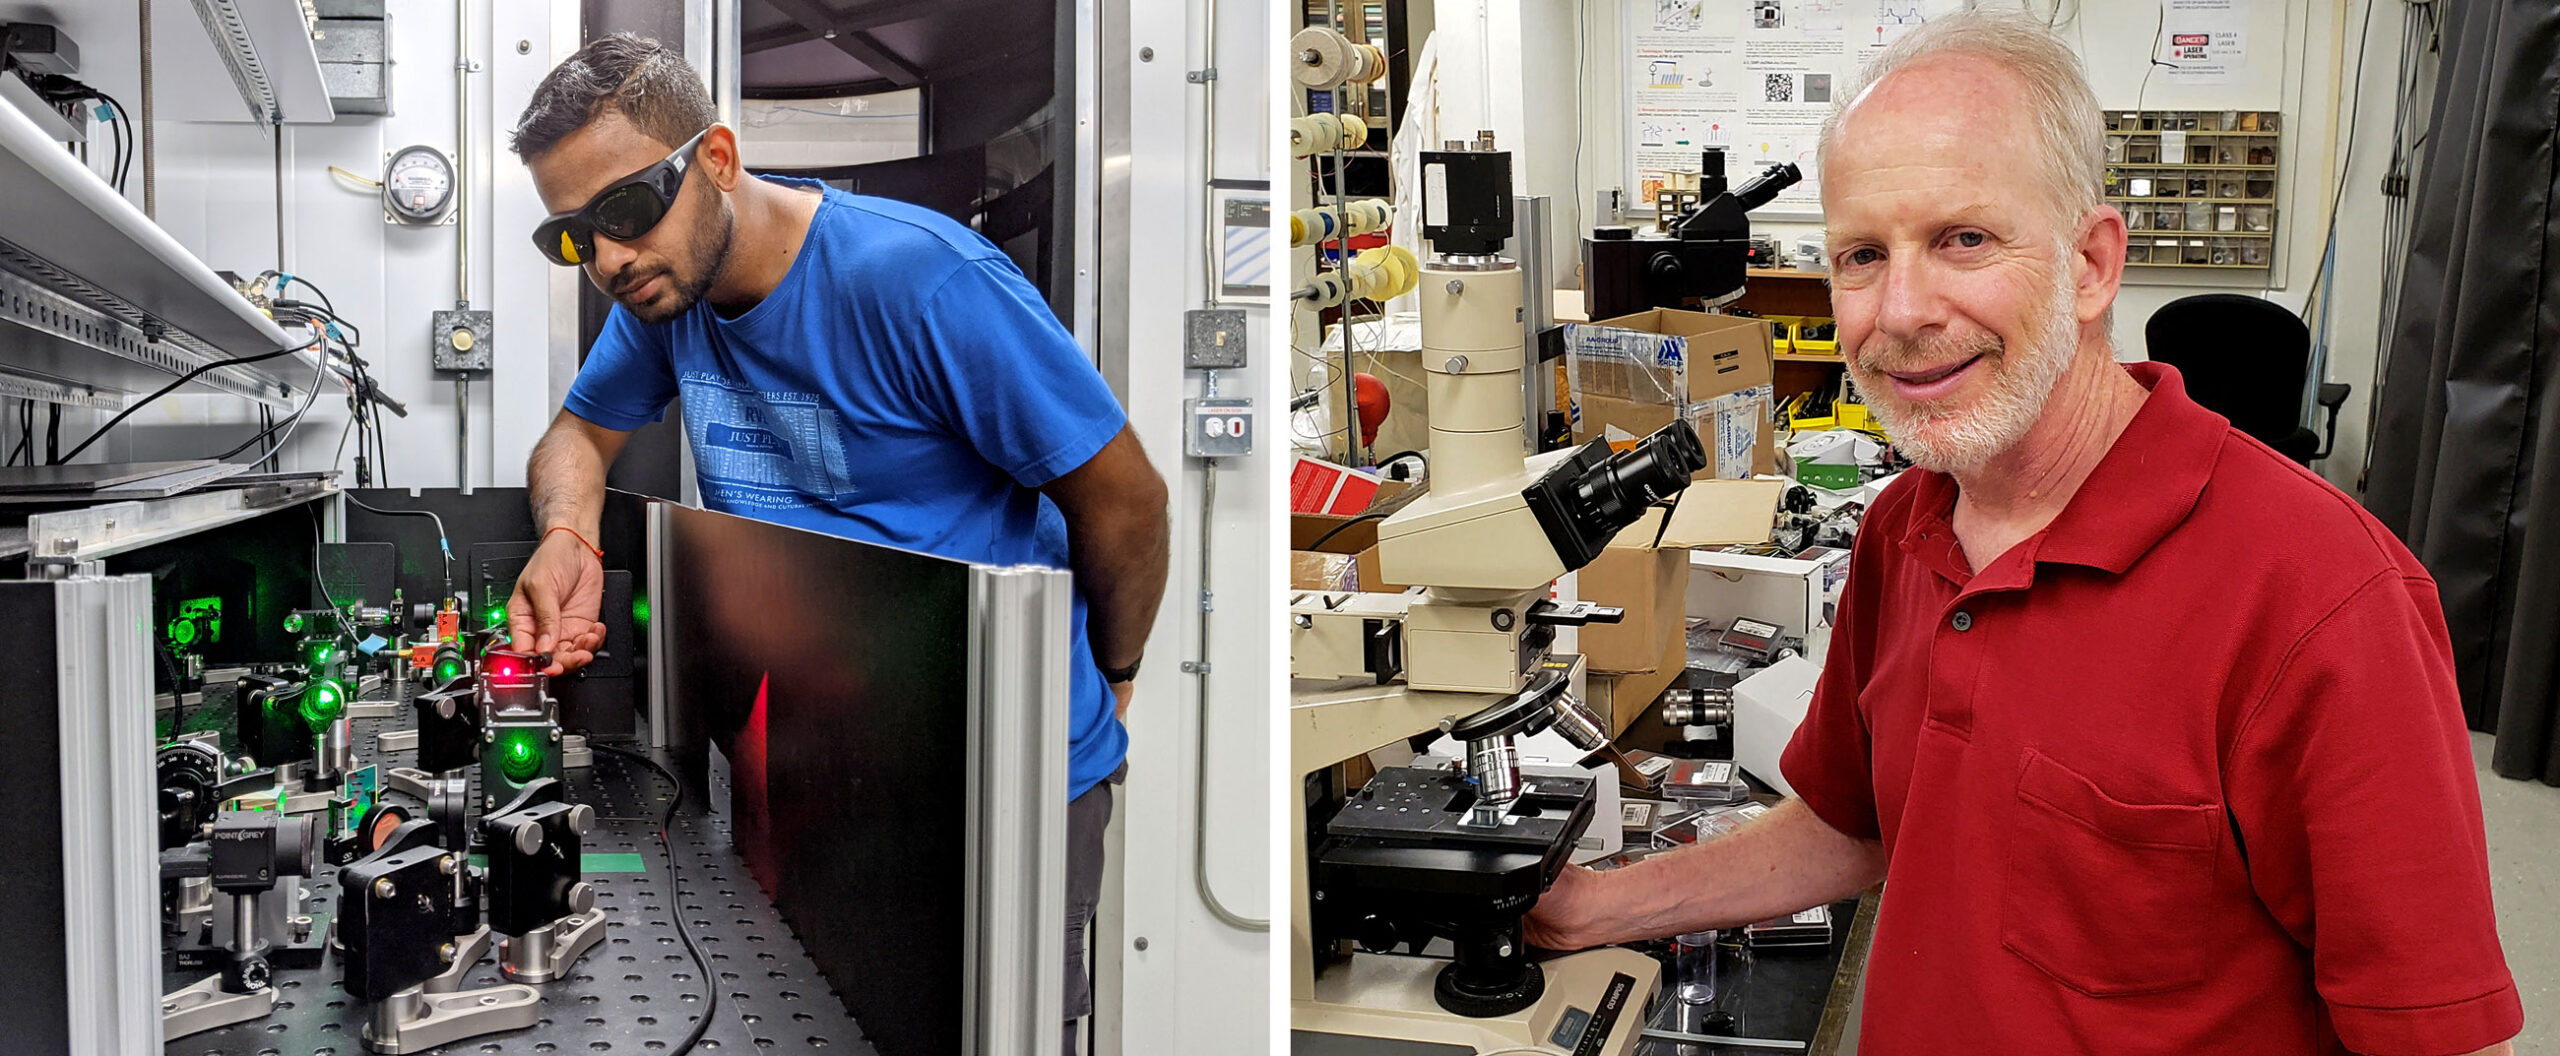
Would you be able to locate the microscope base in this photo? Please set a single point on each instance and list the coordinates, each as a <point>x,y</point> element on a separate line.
<point>1390,996</point>
<point>545,953</point>
<point>415,1021</point>
<point>205,1006</point>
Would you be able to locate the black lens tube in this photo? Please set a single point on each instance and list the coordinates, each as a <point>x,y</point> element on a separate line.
<point>1613,494</point>
<point>1766,186</point>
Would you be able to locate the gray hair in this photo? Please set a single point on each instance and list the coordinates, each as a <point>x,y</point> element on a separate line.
<point>2069,128</point>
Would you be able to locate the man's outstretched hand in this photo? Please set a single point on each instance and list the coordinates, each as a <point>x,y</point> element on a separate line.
<point>558,607</point>
<point>1571,915</point>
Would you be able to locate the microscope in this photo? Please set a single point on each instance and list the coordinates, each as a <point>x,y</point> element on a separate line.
<point>1699,258</point>
<point>1384,872</point>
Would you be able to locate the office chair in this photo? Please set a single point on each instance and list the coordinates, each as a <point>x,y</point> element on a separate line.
<point>2245,359</point>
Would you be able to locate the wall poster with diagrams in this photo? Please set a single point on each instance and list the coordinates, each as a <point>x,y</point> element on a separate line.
<point>1755,77</point>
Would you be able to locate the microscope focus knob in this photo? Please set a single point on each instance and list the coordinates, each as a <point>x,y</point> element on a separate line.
<point>1377,934</point>
<point>582,898</point>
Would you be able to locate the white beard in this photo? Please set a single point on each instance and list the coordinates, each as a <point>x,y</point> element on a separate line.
<point>1962,440</point>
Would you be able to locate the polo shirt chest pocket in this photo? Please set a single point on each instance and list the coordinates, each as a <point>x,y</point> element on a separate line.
<point>2108,897</point>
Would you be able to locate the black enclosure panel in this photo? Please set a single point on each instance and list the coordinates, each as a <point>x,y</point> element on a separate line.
<point>259,569</point>
<point>834,676</point>
<point>356,574</point>
<point>486,515</point>
<point>34,1018</point>
<point>490,569</point>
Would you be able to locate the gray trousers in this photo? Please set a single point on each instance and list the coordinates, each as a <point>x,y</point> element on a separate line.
<point>1087,817</point>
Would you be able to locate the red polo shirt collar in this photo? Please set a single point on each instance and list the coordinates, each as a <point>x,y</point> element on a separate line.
<point>2142,490</point>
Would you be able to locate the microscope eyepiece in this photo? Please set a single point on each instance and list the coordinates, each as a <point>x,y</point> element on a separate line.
<point>1615,493</point>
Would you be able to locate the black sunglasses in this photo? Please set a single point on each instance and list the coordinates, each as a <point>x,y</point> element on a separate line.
<point>622,212</point>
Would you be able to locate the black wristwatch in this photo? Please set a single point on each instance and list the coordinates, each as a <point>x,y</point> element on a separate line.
<point>1117,675</point>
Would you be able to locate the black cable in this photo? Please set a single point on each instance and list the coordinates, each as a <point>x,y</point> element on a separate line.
<point>356,422</point>
<point>128,143</point>
<point>1414,455</point>
<point>289,424</point>
<point>53,433</point>
<point>1337,529</point>
<point>355,334</point>
<point>443,542</point>
<point>316,291</point>
<point>26,416</point>
<point>317,579</point>
<point>115,161</point>
<point>684,930</point>
<point>183,379</point>
<point>381,457</point>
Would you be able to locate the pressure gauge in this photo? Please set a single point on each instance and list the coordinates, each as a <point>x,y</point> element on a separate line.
<point>417,185</point>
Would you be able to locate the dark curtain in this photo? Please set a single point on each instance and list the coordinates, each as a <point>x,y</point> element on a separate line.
<point>2466,441</point>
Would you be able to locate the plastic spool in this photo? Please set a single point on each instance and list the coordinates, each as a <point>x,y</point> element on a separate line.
<point>1325,59</point>
<point>1375,275</point>
<point>1327,289</point>
<point>1367,216</point>
<point>1312,225</point>
<point>1385,272</point>
<point>1353,131</point>
<point>1372,63</point>
<point>1318,133</point>
<point>1311,135</point>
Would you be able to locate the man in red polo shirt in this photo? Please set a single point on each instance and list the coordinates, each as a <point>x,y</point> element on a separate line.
<point>2151,734</point>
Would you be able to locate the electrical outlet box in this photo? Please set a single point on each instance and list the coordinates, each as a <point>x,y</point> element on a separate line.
<point>459,341</point>
<point>1213,339</point>
<point>1219,428</point>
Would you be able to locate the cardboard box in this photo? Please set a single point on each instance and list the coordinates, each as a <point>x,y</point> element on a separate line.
<point>1633,374</point>
<point>1347,559</point>
<point>1645,570</point>
<point>1320,571</point>
<point>1650,581</point>
<point>1627,698</point>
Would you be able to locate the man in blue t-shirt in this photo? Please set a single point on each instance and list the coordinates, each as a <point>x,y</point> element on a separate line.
<point>848,365</point>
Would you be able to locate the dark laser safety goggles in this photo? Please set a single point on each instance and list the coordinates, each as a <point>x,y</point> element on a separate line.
<point>622,212</point>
